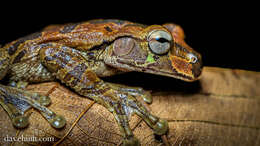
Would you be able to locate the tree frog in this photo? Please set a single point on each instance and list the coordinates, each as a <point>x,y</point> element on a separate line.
<point>80,54</point>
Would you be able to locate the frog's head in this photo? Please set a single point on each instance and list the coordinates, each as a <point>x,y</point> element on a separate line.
<point>155,49</point>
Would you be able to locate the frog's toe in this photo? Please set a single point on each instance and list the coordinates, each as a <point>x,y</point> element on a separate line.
<point>44,100</point>
<point>161,127</point>
<point>132,141</point>
<point>22,84</point>
<point>158,125</point>
<point>147,97</point>
<point>19,84</point>
<point>20,121</point>
<point>58,122</point>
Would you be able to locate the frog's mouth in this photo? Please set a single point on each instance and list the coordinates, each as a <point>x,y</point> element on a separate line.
<point>171,66</point>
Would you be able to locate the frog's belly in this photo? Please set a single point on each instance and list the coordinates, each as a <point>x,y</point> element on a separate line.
<point>30,71</point>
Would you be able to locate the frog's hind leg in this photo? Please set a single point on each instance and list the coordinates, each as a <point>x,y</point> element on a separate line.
<point>44,100</point>
<point>16,101</point>
<point>15,112</point>
<point>19,120</point>
<point>4,62</point>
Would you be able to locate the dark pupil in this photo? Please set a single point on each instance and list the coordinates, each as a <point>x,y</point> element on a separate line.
<point>162,40</point>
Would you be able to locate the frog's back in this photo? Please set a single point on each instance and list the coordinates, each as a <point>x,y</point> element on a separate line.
<point>22,55</point>
<point>86,35</point>
<point>82,36</point>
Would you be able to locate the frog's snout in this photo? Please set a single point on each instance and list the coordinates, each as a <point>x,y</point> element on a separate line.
<point>187,62</point>
<point>196,65</point>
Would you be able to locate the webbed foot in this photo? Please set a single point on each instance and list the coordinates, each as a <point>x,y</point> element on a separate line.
<point>16,101</point>
<point>122,105</point>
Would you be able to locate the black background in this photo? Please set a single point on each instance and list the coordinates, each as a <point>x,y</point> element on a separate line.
<point>225,34</point>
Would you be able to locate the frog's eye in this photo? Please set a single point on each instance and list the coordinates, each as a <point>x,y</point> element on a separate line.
<point>160,41</point>
<point>123,46</point>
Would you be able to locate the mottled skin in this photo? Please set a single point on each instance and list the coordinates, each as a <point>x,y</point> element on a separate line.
<point>78,54</point>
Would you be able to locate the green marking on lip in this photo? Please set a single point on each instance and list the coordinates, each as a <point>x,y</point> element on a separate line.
<point>150,58</point>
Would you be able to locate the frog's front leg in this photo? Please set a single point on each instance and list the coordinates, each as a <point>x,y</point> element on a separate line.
<point>73,70</point>
<point>16,101</point>
<point>134,91</point>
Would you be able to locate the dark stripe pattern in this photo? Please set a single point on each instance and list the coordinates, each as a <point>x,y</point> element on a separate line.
<point>19,56</point>
<point>12,49</point>
<point>108,29</point>
<point>74,76</point>
<point>69,27</point>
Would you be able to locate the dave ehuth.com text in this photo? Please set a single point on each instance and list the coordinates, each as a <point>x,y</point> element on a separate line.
<point>27,138</point>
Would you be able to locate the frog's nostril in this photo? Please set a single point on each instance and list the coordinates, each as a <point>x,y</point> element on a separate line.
<point>192,58</point>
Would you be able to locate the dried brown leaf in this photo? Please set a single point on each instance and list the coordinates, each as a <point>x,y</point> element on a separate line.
<point>224,111</point>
